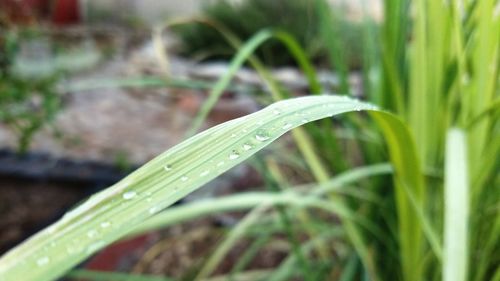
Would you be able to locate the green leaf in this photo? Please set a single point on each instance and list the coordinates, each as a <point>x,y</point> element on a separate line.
<point>112,213</point>
<point>456,207</point>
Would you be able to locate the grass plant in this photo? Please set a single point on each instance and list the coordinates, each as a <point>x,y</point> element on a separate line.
<point>430,214</point>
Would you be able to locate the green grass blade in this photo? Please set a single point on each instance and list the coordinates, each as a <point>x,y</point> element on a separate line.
<point>114,212</point>
<point>232,238</point>
<point>117,210</point>
<point>328,26</point>
<point>409,177</point>
<point>249,254</point>
<point>289,265</point>
<point>456,196</point>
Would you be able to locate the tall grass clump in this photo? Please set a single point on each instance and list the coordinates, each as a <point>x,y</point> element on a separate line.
<point>407,195</point>
<point>435,64</point>
<point>246,18</point>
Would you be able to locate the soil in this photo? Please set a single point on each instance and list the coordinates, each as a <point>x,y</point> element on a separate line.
<point>27,206</point>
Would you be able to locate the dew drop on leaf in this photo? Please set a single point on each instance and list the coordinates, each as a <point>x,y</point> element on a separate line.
<point>129,195</point>
<point>42,261</point>
<point>154,210</point>
<point>95,246</point>
<point>234,155</point>
<point>261,136</point>
<point>105,224</point>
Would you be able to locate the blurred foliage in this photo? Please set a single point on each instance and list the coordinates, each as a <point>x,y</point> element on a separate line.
<point>26,103</point>
<point>296,17</point>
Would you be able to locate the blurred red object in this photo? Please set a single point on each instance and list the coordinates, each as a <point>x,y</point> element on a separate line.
<point>111,257</point>
<point>66,12</point>
<point>60,12</point>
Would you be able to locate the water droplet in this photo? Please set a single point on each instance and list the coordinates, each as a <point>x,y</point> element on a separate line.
<point>42,261</point>
<point>184,178</point>
<point>105,224</point>
<point>244,131</point>
<point>91,233</point>
<point>276,112</point>
<point>234,155</point>
<point>358,108</point>
<point>246,146</point>
<point>261,136</point>
<point>220,163</point>
<point>149,199</point>
<point>129,195</point>
<point>154,210</point>
<point>204,173</point>
<point>233,135</point>
<point>96,246</point>
<point>286,126</point>
<point>167,168</point>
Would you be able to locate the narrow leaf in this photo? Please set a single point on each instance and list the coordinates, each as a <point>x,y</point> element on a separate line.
<point>456,207</point>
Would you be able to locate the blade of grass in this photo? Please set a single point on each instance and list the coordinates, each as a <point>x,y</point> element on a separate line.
<point>249,255</point>
<point>115,211</point>
<point>331,37</point>
<point>456,196</point>
<point>409,175</point>
<point>288,266</point>
<point>236,233</point>
<point>275,182</point>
